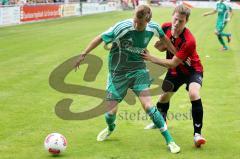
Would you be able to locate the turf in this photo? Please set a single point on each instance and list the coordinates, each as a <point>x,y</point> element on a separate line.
<point>30,52</point>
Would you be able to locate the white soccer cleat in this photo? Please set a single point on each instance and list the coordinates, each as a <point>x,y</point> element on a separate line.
<point>173,147</point>
<point>104,134</point>
<point>150,126</point>
<point>199,140</point>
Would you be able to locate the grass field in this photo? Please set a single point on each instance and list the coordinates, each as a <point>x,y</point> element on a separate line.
<point>30,52</point>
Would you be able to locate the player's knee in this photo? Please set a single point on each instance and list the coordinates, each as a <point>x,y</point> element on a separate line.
<point>216,33</point>
<point>112,107</point>
<point>146,103</point>
<point>146,106</point>
<point>164,98</point>
<point>194,94</point>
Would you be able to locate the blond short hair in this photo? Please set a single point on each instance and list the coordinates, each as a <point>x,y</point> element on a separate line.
<point>143,12</point>
<point>182,9</point>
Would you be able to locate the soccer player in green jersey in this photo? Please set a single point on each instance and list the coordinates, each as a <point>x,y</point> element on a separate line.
<point>127,69</point>
<point>223,10</point>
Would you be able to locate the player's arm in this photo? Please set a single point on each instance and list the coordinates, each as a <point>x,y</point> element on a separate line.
<point>168,63</point>
<point>165,40</point>
<point>107,37</point>
<point>230,13</point>
<point>92,45</point>
<point>169,46</point>
<point>183,54</point>
<point>160,46</point>
<point>210,13</point>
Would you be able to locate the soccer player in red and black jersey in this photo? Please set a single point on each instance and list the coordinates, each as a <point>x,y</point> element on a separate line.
<point>184,67</point>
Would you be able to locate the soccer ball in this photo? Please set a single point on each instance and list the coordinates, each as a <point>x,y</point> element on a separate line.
<point>55,143</point>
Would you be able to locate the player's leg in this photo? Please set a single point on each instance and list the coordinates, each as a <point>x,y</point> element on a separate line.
<point>227,35</point>
<point>220,39</point>
<point>133,3</point>
<point>145,99</point>
<point>162,106</point>
<point>140,87</point>
<point>110,117</point>
<point>170,85</point>
<point>163,103</point>
<point>116,90</point>
<point>197,108</point>
<point>137,2</point>
<point>218,31</point>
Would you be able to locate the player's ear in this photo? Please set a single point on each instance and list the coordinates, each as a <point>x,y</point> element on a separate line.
<point>149,16</point>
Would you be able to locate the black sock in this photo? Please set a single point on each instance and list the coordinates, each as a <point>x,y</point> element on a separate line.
<point>163,108</point>
<point>197,114</point>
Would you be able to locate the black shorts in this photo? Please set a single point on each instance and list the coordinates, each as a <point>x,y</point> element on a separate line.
<point>172,83</point>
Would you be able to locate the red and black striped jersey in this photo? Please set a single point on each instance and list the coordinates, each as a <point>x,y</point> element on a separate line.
<point>186,48</point>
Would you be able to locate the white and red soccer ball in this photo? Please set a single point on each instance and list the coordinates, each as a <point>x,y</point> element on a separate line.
<point>55,143</point>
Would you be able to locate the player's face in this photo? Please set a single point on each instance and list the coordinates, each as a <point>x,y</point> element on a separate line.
<point>140,24</point>
<point>178,23</point>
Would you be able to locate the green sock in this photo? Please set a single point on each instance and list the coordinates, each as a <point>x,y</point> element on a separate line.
<point>110,118</point>
<point>225,34</point>
<point>220,39</point>
<point>160,123</point>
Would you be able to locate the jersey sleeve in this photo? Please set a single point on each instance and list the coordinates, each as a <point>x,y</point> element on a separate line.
<point>229,8</point>
<point>158,32</point>
<point>111,34</point>
<point>108,36</point>
<point>166,26</point>
<point>186,50</point>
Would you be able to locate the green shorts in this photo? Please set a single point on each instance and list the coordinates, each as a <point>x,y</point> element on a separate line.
<point>118,84</point>
<point>220,26</point>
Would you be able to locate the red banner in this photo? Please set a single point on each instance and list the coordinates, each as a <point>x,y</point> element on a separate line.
<point>39,12</point>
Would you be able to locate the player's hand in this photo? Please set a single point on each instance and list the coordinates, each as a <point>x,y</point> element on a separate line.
<point>160,46</point>
<point>146,56</point>
<point>79,60</point>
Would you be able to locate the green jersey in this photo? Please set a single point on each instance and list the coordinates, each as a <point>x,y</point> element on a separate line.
<point>127,44</point>
<point>222,9</point>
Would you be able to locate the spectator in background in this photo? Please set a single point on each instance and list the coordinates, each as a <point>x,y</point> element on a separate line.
<point>135,3</point>
<point>22,2</point>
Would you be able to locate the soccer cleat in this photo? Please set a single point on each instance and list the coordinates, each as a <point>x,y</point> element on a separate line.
<point>104,134</point>
<point>229,38</point>
<point>173,147</point>
<point>224,48</point>
<point>150,126</point>
<point>199,140</point>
